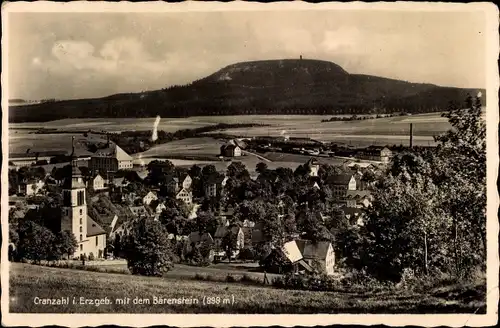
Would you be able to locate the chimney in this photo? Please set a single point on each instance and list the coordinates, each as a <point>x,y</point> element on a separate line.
<point>411,135</point>
<point>72,146</point>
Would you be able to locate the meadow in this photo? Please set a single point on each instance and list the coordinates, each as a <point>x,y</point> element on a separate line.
<point>381,131</point>
<point>29,281</point>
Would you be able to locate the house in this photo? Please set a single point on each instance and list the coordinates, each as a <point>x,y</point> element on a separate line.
<point>159,208</point>
<point>320,255</point>
<point>195,238</point>
<point>230,150</point>
<point>185,195</point>
<point>358,198</point>
<point>214,186</point>
<point>375,153</point>
<point>148,197</point>
<point>237,232</point>
<point>110,159</point>
<point>119,182</point>
<point>313,166</point>
<point>142,175</point>
<point>97,183</point>
<point>31,187</point>
<point>354,215</point>
<point>139,211</point>
<point>185,180</point>
<point>341,183</point>
<point>174,183</point>
<point>294,259</point>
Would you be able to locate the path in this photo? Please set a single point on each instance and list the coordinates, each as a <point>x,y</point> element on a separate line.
<point>256,155</point>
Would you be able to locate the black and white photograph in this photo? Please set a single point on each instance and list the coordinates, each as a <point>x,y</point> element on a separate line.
<point>336,160</point>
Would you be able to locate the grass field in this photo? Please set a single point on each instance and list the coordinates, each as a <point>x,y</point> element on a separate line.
<point>28,282</point>
<point>382,131</point>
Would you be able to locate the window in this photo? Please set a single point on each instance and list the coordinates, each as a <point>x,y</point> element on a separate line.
<point>81,247</point>
<point>81,221</point>
<point>81,229</point>
<point>97,240</point>
<point>81,212</point>
<point>81,238</point>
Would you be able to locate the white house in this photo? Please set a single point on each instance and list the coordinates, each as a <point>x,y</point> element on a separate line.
<point>185,195</point>
<point>31,187</point>
<point>98,183</point>
<point>149,197</point>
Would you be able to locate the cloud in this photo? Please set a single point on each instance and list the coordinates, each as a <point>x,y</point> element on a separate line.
<point>343,40</point>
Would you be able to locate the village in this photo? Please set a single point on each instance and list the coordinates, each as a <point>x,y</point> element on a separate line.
<point>210,216</point>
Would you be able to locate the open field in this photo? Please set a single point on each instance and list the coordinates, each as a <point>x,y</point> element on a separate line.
<point>382,131</point>
<point>28,282</point>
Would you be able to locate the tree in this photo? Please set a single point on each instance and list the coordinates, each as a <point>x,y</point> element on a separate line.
<point>261,167</point>
<point>229,243</point>
<point>66,243</point>
<point>35,241</point>
<point>147,249</point>
<point>206,222</point>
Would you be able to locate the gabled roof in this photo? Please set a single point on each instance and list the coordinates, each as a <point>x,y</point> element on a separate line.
<point>357,194</point>
<point>215,179</point>
<point>93,229</point>
<point>142,174</point>
<point>228,147</point>
<point>223,230</point>
<point>340,179</point>
<point>313,161</point>
<point>292,251</point>
<point>113,151</point>
<point>196,237</point>
<point>314,251</point>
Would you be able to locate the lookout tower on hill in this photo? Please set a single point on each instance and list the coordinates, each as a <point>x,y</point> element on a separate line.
<point>300,57</point>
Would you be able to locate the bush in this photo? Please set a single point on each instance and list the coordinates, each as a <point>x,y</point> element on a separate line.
<point>247,254</point>
<point>91,256</point>
<point>230,278</point>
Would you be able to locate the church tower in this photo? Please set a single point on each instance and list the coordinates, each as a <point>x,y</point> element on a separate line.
<point>74,208</point>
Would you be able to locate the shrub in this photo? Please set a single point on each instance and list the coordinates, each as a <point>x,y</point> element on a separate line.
<point>247,254</point>
<point>230,278</point>
<point>91,256</point>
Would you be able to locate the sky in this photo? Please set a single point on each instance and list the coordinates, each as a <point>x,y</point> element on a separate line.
<point>84,55</point>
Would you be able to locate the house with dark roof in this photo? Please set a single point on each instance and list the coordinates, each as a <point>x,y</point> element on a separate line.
<point>196,237</point>
<point>230,150</point>
<point>320,255</point>
<point>375,153</point>
<point>341,183</point>
<point>214,186</point>
<point>111,159</point>
<point>236,231</point>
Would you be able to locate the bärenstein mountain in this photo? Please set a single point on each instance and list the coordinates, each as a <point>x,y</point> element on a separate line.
<point>290,86</point>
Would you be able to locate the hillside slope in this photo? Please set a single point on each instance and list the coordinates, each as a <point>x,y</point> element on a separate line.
<point>260,87</point>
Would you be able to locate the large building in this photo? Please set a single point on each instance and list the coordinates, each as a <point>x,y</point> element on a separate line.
<point>111,159</point>
<point>90,237</point>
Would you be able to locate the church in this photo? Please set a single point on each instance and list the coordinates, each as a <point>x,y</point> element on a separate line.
<point>90,237</point>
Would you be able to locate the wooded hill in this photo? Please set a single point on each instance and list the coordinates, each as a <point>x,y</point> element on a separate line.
<point>261,87</point>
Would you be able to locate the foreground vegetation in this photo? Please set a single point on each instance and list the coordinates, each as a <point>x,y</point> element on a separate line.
<point>28,281</point>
